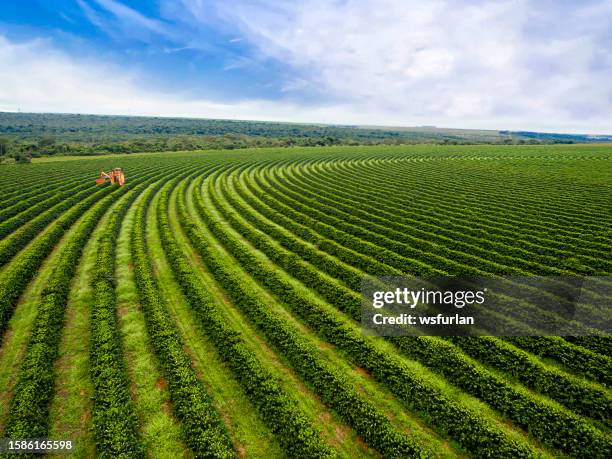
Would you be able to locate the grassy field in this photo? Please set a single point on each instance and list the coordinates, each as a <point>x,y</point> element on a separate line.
<point>211,306</point>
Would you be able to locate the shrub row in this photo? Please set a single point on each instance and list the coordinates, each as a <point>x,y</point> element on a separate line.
<point>545,422</point>
<point>329,384</point>
<point>10,217</point>
<point>290,425</point>
<point>467,428</point>
<point>487,223</point>
<point>114,421</point>
<point>203,430</point>
<point>20,238</point>
<point>586,399</point>
<point>386,216</point>
<point>29,407</point>
<point>488,235</point>
<point>16,198</point>
<point>600,344</point>
<point>577,359</point>
<point>552,426</point>
<point>479,267</point>
<point>391,218</point>
<point>512,209</point>
<point>575,395</point>
<point>279,215</point>
<point>17,275</point>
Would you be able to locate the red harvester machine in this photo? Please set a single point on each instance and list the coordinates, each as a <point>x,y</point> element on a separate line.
<point>115,176</point>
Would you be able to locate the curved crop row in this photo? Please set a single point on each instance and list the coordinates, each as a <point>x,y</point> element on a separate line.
<point>34,203</point>
<point>114,421</point>
<point>17,275</point>
<point>409,248</point>
<point>391,217</point>
<point>473,433</point>
<point>11,245</point>
<point>29,407</point>
<point>379,261</point>
<point>333,388</point>
<point>575,395</point>
<point>548,424</point>
<point>479,225</point>
<point>493,219</point>
<point>290,426</point>
<point>203,430</point>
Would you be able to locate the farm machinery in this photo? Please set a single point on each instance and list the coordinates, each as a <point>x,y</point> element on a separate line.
<point>116,177</point>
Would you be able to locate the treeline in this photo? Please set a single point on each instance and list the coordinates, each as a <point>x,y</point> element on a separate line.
<point>24,136</point>
<point>23,150</point>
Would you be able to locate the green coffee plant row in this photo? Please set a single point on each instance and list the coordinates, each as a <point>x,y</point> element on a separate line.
<point>530,189</point>
<point>26,204</point>
<point>583,398</point>
<point>391,171</point>
<point>586,366</point>
<point>592,402</point>
<point>290,425</point>
<point>396,175</point>
<point>479,221</point>
<point>567,195</point>
<point>115,424</point>
<point>354,243</point>
<point>34,189</point>
<point>600,344</point>
<point>11,224</point>
<point>357,245</point>
<point>16,275</point>
<point>551,425</point>
<point>583,363</point>
<point>491,213</point>
<point>11,245</point>
<point>305,358</point>
<point>203,430</point>
<point>579,360</point>
<point>467,428</point>
<point>13,195</point>
<point>355,258</point>
<point>449,233</point>
<point>428,243</point>
<point>356,227</point>
<point>387,213</point>
<point>445,201</point>
<point>29,407</point>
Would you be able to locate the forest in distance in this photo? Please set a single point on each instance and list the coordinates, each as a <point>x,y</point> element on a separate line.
<point>29,135</point>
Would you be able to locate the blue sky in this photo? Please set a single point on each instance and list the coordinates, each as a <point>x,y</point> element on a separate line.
<point>508,64</point>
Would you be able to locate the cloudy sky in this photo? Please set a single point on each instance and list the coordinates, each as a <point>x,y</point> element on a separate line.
<point>519,64</point>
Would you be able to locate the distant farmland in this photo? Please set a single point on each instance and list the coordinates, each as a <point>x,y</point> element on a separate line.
<point>211,305</point>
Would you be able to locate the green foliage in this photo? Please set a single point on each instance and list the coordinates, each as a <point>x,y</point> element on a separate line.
<point>306,226</point>
<point>203,430</point>
<point>40,134</point>
<point>451,418</point>
<point>29,408</point>
<point>333,388</point>
<point>277,409</point>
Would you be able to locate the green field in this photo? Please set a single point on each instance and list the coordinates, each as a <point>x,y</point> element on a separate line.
<point>211,306</point>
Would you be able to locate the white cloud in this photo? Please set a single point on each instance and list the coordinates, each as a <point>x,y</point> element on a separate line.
<point>43,79</point>
<point>118,20</point>
<point>516,64</point>
<point>510,63</point>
